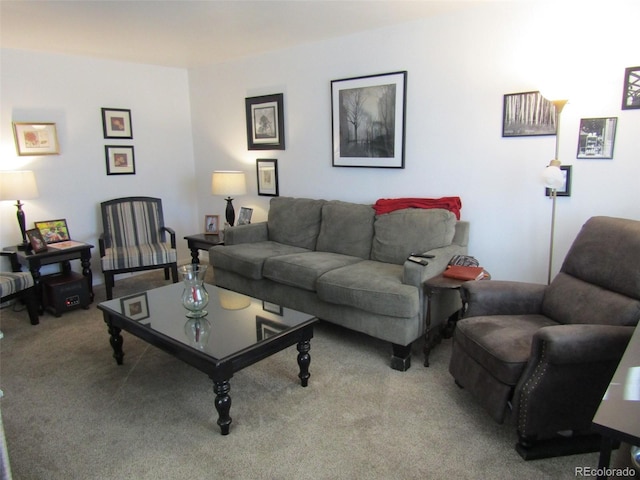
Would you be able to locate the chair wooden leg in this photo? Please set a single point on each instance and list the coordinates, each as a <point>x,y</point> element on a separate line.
<point>174,273</point>
<point>166,273</point>
<point>109,283</point>
<point>31,300</point>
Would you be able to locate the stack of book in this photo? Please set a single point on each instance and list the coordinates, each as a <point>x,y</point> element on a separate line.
<point>460,272</point>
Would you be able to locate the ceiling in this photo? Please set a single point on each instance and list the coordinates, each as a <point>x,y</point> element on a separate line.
<point>192,33</point>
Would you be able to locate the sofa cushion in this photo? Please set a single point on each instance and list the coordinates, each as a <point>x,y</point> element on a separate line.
<point>346,228</point>
<point>303,269</point>
<point>502,343</point>
<point>402,232</point>
<point>295,221</point>
<point>247,259</point>
<point>371,286</point>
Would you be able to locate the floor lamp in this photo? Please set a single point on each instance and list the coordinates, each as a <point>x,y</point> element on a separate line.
<point>225,182</point>
<point>554,179</point>
<point>19,184</point>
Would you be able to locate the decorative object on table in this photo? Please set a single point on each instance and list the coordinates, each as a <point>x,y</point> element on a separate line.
<point>212,224</point>
<point>267,172</point>
<point>198,331</point>
<point>464,272</point>
<point>228,182</point>
<point>265,122</point>
<point>116,123</point>
<point>36,241</point>
<point>36,138</point>
<point>596,137</point>
<point>19,184</point>
<point>244,218</point>
<point>527,114</point>
<point>194,296</point>
<point>53,231</point>
<point>553,178</point>
<point>563,190</point>
<point>631,89</point>
<point>368,120</point>
<point>136,306</point>
<point>120,160</point>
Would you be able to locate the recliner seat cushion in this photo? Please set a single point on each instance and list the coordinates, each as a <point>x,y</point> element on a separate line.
<point>347,228</point>
<point>500,343</point>
<point>302,270</point>
<point>370,286</point>
<point>295,221</point>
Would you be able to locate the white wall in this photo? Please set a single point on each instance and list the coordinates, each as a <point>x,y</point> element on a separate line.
<point>70,91</point>
<point>459,67</point>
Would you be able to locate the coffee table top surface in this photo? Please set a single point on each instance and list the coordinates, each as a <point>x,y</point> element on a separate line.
<point>236,321</point>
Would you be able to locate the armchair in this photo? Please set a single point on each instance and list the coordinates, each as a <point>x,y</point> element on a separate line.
<point>134,239</point>
<point>544,355</point>
<point>19,285</point>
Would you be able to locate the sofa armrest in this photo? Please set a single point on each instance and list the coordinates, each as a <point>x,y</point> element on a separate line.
<point>416,274</point>
<point>495,297</point>
<point>251,233</point>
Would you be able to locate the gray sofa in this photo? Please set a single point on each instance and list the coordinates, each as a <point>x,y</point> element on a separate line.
<point>344,264</point>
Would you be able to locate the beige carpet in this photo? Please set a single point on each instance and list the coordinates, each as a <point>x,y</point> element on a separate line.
<point>70,412</point>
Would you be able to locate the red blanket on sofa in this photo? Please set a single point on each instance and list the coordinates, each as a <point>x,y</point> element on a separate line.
<point>386,205</point>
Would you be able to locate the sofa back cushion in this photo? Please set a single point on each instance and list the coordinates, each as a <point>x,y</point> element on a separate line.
<point>295,221</point>
<point>347,228</point>
<point>402,232</point>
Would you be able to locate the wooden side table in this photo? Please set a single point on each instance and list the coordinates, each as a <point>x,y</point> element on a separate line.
<point>201,241</point>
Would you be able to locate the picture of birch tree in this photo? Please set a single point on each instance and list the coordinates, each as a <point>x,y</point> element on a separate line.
<point>528,114</point>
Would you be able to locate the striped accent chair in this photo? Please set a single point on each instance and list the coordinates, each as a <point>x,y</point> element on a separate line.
<point>135,239</point>
<point>20,286</point>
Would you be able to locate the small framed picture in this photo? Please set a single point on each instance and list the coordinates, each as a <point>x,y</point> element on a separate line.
<point>267,171</point>
<point>272,307</point>
<point>527,114</point>
<point>596,137</point>
<point>631,89</point>
<point>120,160</point>
<point>244,218</point>
<point>35,239</point>
<point>565,190</point>
<point>266,328</point>
<point>116,123</point>
<point>212,224</point>
<point>36,138</point>
<point>265,122</point>
<point>135,307</point>
<point>53,231</point>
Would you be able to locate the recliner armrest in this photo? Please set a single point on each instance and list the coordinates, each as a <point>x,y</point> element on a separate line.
<point>496,297</point>
<point>251,233</point>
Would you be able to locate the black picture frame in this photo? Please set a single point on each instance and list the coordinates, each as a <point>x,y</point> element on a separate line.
<point>372,107</point>
<point>596,138</point>
<point>244,217</point>
<point>267,175</point>
<point>527,114</point>
<point>564,191</point>
<point>38,245</point>
<point>266,328</point>
<point>120,159</point>
<point>265,122</point>
<point>53,231</point>
<point>116,123</point>
<point>631,89</point>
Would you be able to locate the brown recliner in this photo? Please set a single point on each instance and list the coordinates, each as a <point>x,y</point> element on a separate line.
<point>543,356</point>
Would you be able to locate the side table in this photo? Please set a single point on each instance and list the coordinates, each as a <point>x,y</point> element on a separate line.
<point>201,241</point>
<point>63,256</point>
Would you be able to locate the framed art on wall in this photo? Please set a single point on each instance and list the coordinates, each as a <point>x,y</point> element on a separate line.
<point>527,114</point>
<point>565,190</point>
<point>265,122</point>
<point>631,89</point>
<point>596,137</point>
<point>368,120</point>
<point>36,138</point>
<point>120,160</point>
<point>267,171</point>
<point>116,123</point>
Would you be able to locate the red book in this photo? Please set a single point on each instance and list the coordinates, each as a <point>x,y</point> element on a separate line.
<point>464,273</point>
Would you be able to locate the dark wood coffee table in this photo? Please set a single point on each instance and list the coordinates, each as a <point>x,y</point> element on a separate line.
<point>244,331</point>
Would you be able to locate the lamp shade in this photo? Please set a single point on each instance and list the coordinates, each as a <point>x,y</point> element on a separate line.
<point>227,182</point>
<point>18,185</point>
<point>552,176</point>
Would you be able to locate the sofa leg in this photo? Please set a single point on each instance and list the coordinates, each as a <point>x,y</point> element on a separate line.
<point>401,357</point>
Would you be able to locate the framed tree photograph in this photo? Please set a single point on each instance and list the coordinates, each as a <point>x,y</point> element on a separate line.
<point>120,160</point>
<point>116,123</point>
<point>631,89</point>
<point>36,138</point>
<point>565,190</point>
<point>527,114</point>
<point>244,218</point>
<point>267,171</point>
<point>596,137</point>
<point>368,120</point>
<point>265,122</point>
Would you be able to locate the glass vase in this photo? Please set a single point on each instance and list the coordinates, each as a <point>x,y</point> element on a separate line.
<point>197,331</point>
<point>194,296</point>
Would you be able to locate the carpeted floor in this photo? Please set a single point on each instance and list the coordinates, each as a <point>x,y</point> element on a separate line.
<point>70,412</point>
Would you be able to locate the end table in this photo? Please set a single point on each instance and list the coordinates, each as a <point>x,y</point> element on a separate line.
<point>201,241</point>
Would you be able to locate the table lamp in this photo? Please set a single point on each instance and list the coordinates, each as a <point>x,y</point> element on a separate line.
<point>19,184</point>
<point>227,182</point>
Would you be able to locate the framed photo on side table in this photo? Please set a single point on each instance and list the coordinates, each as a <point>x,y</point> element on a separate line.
<point>368,120</point>
<point>212,224</point>
<point>120,160</point>
<point>36,138</point>
<point>244,218</point>
<point>265,122</point>
<point>267,171</point>
<point>116,123</point>
<point>53,230</point>
<point>38,244</point>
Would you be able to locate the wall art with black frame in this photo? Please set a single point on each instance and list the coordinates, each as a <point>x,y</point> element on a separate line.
<point>527,114</point>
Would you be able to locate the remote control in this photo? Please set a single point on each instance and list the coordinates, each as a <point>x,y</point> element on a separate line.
<point>420,260</point>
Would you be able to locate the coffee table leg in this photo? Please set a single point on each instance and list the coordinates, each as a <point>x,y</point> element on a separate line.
<point>115,340</point>
<point>304,359</point>
<point>223,404</point>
